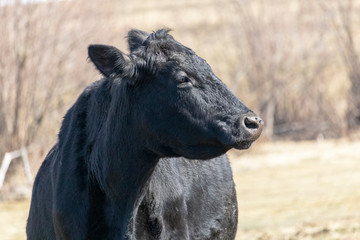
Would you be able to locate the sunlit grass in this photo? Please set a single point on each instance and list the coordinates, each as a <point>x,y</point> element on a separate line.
<point>291,187</point>
<point>13,217</point>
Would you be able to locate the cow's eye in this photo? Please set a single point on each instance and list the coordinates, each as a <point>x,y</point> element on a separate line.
<point>183,81</point>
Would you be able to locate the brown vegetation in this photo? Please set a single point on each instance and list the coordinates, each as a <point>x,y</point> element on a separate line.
<point>296,62</point>
<point>39,72</point>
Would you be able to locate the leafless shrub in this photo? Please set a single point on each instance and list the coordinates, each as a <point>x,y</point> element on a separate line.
<point>342,15</point>
<point>39,66</point>
<point>288,59</point>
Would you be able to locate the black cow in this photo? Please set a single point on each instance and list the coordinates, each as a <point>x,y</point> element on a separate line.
<point>118,169</point>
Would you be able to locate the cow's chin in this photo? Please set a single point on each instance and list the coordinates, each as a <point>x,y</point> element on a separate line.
<point>242,145</point>
<point>238,142</point>
<point>202,152</point>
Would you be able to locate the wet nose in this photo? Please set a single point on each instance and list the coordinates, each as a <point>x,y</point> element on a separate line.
<point>253,125</point>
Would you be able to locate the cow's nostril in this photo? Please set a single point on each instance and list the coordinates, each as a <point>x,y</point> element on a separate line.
<point>252,122</point>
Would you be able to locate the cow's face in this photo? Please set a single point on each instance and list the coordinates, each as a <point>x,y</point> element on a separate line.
<point>179,106</point>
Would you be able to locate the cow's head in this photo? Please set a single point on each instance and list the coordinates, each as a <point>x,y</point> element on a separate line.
<point>179,106</point>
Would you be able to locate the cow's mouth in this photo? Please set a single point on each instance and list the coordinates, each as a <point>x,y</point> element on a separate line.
<point>242,132</point>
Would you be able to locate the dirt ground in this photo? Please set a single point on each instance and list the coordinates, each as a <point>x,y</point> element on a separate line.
<point>286,191</point>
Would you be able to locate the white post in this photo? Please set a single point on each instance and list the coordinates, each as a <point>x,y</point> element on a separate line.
<point>7,160</point>
<point>27,169</point>
<point>26,164</point>
<point>4,167</point>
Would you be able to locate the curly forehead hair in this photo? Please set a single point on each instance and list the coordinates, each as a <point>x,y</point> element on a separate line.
<point>159,43</point>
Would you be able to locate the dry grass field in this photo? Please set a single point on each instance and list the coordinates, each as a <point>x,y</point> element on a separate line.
<point>286,191</point>
<point>299,190</point>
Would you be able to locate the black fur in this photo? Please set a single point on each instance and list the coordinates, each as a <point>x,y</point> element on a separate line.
<point>118,170</point>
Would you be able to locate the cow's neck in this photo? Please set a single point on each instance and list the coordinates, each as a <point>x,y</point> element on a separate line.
<point>126,183</point>
<point>125,166</point>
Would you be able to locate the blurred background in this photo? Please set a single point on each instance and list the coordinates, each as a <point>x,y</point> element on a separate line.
<point>295,62</point>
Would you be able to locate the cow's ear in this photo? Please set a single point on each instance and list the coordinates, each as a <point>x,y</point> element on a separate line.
<point>108,60</point>
<point>136,39</point>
